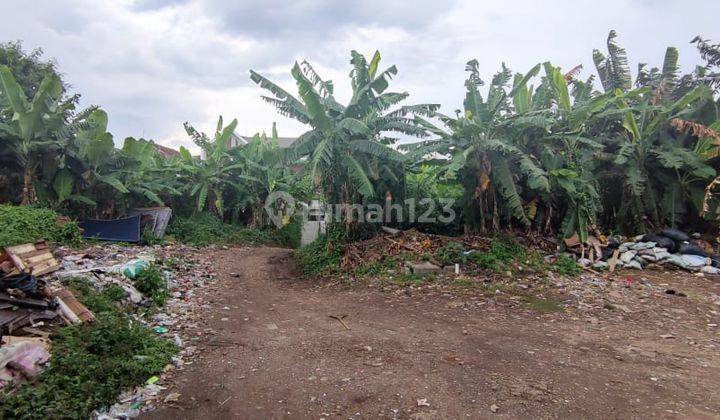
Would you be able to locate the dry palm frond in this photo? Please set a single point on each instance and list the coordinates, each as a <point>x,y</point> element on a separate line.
<point>709,196</point>
<point>696,129</point>
<point>569,76</point>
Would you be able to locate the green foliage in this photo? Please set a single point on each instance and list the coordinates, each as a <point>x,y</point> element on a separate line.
<point>501,253</point>
<point>23,224</point>
<point>567,266</point>
<point>205,229</point>
<point>451,253</point>
<point>151,282</point>
<point>90,364</point>
<point>323,255</point>
<point>375,268</point>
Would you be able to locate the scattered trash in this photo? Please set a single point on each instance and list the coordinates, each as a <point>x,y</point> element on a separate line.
<point>670,247</point>
<point>494,408</point>
<point>22,360</point>
<point>160,330</point>
<point>423,402</point>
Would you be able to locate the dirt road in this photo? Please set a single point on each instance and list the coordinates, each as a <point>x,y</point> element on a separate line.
<point>277,353</point>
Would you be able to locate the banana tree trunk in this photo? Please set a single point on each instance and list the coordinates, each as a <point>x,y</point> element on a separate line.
<point>29,195</point>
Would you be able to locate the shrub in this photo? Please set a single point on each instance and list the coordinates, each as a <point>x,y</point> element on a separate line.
<point>323,255</point>
<point>567,266</point>
<point>205,229</point>
<point>152,284</point>
<point>23,224</point>
<point>90,364</point>
<point>451,253</point>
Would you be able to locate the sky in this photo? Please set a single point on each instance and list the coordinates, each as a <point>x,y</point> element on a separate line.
<point>154,64</point>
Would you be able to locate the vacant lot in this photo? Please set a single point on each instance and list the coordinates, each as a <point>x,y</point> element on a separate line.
<point>271,350</point>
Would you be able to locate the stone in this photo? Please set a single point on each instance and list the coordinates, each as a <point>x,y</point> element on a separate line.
<point>423,268</point>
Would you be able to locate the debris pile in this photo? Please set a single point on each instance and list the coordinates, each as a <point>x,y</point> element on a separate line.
<point>34,301</point>
<point>669,248</point>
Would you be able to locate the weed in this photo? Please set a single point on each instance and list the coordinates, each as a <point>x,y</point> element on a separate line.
<point>323,255</point>
<point>567,266</point>
<point>465,283</point>
<point>451,253</point>
<point>90,364</point>
<point>151,282</point>
<point>148,237</point>
<point>23,224</point>
<point>375,268</point>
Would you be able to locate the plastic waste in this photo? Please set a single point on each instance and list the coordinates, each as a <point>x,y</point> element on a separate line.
<point>675,234</point>
<point>133,268</point>
<point>691,249</point>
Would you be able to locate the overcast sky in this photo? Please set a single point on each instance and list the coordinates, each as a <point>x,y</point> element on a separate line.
<point>153,64</point>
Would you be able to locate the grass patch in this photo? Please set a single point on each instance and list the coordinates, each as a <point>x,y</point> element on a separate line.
<point>375,268</point>
<point>465,283</point>
<point>23,224</point>
<point>541,304</point>
<point>90,364</point>
<point>567,266</point>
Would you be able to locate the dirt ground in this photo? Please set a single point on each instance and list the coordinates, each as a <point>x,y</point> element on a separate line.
<point>271,350</point>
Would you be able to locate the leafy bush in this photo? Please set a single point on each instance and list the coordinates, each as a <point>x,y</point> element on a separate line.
<point>451,253</point>
<point>90,364</point>
<point>567,266</point>
<point>23,224</point>
<point>502,251</point>
<point>204,229</point>
<point>152,284</point>
<point>323,255</point>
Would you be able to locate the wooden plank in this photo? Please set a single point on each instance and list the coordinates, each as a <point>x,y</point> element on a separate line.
<point>35,253</point>
<point>37,258</point>
<point>20,249</point>
<point>49,267</point>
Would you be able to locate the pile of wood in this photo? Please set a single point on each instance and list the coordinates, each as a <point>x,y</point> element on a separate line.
<point>36,259</point>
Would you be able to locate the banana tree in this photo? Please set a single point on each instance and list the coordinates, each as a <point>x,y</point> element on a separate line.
<point>487,145</point>
<point>37,126</point>
<point>348,146</point>
<point>208,178</point>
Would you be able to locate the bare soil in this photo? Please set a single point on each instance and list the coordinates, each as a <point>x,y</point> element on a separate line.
<point>271,350</point>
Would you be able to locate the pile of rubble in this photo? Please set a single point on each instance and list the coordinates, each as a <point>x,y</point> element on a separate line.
<point>669,247</point>
<point>34,302</point>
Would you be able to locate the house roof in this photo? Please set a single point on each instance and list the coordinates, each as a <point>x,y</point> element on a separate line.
<point>283,142</point>
<point>166,152</point>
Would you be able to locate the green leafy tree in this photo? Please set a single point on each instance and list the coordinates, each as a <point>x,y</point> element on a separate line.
<point>38,126</point>
<point>348,146</point>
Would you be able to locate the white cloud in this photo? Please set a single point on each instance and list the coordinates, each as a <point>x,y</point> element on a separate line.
<point>154,64</point>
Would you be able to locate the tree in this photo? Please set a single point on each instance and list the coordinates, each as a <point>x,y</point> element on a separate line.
<point>37,127</point>
<point>486,145</point>
<point>347,147</point>
<point>207,178</point>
